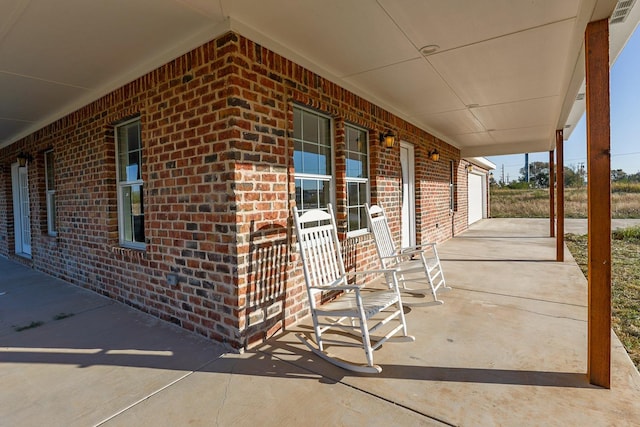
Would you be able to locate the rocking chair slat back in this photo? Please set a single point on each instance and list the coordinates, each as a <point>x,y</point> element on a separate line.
<point>382,233</point>
<point>320,246</point>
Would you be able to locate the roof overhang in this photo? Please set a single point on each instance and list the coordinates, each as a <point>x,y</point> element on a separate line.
<point>504,77</point>
<point>481,162</point>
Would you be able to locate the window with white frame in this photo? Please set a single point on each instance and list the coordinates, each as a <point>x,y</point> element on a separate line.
<point>357,178</point>
<point>130,184</point>
<point>52,228</point>
<point>312,159</point>
<point>452,186</point>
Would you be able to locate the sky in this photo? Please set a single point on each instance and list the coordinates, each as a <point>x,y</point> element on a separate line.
<point>625,122</point>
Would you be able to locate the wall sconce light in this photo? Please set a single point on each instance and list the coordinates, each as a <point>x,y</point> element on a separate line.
<point>434,155</point>
<point>469,168</point>
<point>388,139</point>
<point>23,159</point>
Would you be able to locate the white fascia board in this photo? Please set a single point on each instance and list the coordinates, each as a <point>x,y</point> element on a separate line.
<point>482,162</point>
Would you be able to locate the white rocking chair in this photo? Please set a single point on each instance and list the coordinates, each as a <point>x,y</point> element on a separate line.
<point>403,260</point>
<point>352,311</point>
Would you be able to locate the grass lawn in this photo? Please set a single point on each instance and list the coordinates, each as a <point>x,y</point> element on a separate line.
<point>534,203</point>
<point>625,284</point>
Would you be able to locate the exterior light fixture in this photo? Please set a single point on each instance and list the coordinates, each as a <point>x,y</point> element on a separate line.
<point>23,159</point>
<point>469,168</point>
<point>388,139</point>
<point>434,155</point>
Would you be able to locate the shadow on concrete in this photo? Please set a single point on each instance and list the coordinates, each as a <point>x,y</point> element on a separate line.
<point>280,357</point>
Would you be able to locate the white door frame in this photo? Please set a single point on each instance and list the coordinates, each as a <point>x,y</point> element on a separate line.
<point>408,194</point>
<point>21,209</point>
<point>483,194</point>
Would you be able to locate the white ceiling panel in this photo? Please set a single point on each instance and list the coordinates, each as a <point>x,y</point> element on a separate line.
<point>477,139</point>
<point>90,41</point>
<point>344,37</point>
<point>11,11</point>
<point>532,112</point>
<point>455,23</point>
<point>535,133</point>
<point>414,85</point>
<point>453,123</point>
<point>11,127</point>
<point>26,99</point>
<point>522,66</point>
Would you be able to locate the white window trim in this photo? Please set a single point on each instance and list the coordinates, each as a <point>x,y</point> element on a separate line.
<point>313,176</point>
<point>50,194</point>
<point>365,230</point>
<point>327,178</point>
<point>452,186</point>
<point>357,233</point>
<point>121,184</point>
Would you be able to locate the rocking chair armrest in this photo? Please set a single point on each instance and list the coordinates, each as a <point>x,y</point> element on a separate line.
<point>400,256</point>
<point>417,248</point>
<point>395,256</point>
<point>377,271</point>
<point>392,271</point>
<point>346,288</point>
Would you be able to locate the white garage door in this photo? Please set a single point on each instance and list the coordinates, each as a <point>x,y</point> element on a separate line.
<point>475,197</point>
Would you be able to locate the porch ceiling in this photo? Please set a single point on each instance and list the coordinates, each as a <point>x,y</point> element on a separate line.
<point>504,78</point>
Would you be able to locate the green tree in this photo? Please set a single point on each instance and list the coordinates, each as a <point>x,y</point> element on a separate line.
<point>574,176</point>
<point>618,175</point>
<point>538,174</point>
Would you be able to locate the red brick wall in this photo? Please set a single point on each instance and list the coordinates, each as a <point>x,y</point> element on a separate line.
<point>273,85</point>
<point>187,115</point>
<point>219,186</point>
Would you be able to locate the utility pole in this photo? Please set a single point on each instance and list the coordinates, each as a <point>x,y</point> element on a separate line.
<point>502,175</point>
<point>526,167</point>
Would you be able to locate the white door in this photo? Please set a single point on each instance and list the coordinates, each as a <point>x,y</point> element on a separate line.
<point>476,197</point>
<point>21,212</point>
<point>408,195</point>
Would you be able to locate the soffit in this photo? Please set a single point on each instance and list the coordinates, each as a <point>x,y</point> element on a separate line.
<point>503,80</point>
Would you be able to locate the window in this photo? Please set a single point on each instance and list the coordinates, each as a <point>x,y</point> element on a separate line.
<point>49,169</point>
<point>357,178</point>
<point>452,186</point>
<point>130,184</point>
<point>312,159</point>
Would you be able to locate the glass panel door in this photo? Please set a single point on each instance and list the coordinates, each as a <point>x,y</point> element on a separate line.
<point>407,164</point>
<point>25,213</point>
<point>22,213</point>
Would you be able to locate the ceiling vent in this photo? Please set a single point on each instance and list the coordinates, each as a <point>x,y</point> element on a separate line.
<point>621,11</point>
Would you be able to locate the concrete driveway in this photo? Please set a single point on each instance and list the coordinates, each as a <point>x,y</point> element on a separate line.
<point>508,347</point>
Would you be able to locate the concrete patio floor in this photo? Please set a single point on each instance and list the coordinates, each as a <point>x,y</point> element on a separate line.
<point>508,347</point>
